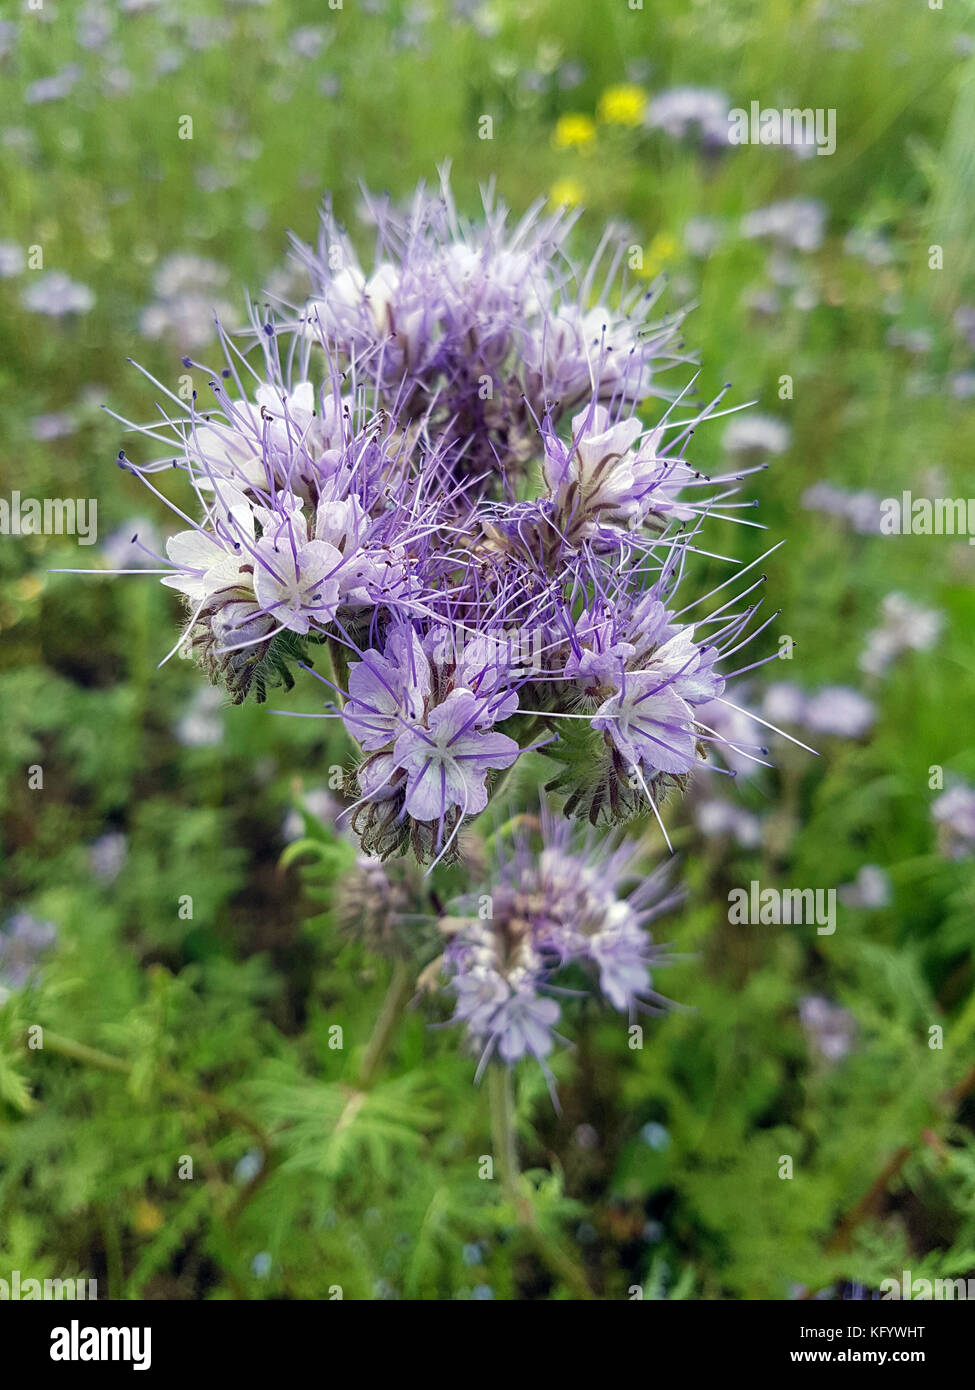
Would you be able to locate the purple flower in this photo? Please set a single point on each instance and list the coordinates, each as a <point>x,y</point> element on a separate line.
<point>107,855</point>
<point>649,717</point>
<point>784,703</point>
<point>839,711</point>
<point>905,626</point>
<point>603,477</point>
<point>831,1030</point>
<point>618,949</point>
<point>683,111</point>
<point>835,710</point>
<point>716,818</point>
<point>757,434</point>
<point>480,320</point>
<point>362,481</point>
<point>189,298</point>
<point>12,259</point>
<point>54,88</point>
<point>433,755</point>
<point>598,655</point>
<point>795,224</point>
<point>24,940</point>
<point>861,509</point>
<point>56,424</point>
<point>447,761</point>
<point>870,889</point>
<point>54,293</point>
<point>296,584</point>
<point>508,1012</point>
<point>387,691</point>
<point>954,814</point>
<point>554,902</point>
<point>650,724</point>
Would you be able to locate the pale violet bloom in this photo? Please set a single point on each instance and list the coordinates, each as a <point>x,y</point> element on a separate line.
<point>798,224</point>
<point>904,626</point>
<point>447,762</point>
<point>839,711</point>
<point>650,724</point>
<point>55,294</point>
<point>870,889</point>
<point>954,814</point>
<point>830,1029</point>
<point>387,691</point>
<point>682,111</point>
<point>717,818</point>
<point>756,434</point>
<point>295,584</point>
<point>557,899</point>
<point>12,259</point>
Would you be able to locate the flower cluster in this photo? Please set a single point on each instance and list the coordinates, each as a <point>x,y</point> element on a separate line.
<point>551,914</point>
<point>486,323</point>
<point>434,469</point>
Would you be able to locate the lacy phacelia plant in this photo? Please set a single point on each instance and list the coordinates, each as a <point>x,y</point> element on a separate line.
<point>486,324</point>
<point>435,471</point>
<point>553,915</point>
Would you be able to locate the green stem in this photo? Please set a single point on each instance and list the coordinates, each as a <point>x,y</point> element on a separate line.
<point>114,1264</point>
<point>398,995</point>
<point>80,1052</point>
<point>504,1139</point>
<point>503,1136</point>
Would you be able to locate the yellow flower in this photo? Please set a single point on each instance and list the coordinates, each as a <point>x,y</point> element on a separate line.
<point>662,249</point>
<point>622,105</point>
<point>29,587</point>
<point>146,1217</point>
<point>574,131</point>
<point>565,193</point>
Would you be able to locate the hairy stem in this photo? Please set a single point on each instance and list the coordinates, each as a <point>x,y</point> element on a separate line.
<point>503,1136</point>
<point>398,995</point>
<point>504,1139</point>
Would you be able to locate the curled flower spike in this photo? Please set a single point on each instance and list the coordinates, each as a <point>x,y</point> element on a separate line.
<point>439,471</point>
<point>489,319</point>
<point>554,901</point>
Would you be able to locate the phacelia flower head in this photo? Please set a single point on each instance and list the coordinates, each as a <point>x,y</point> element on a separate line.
<point>557,908</point>
<point>440,470</point>
<point>490,321</point>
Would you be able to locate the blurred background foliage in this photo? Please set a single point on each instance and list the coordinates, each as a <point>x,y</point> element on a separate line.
<point>208,1035</point>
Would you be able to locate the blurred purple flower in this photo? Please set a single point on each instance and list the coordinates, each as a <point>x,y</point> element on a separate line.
<point>830,1030</point>
<point>54,293</point>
